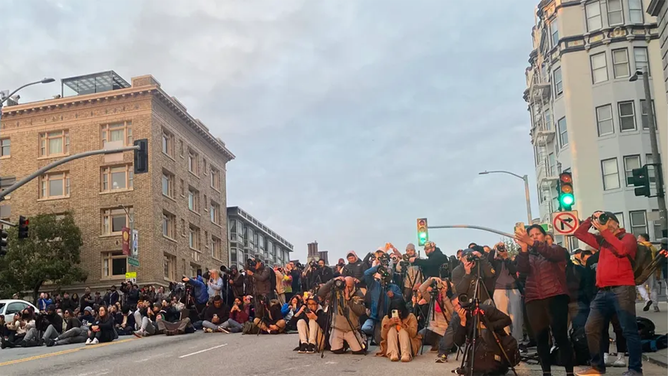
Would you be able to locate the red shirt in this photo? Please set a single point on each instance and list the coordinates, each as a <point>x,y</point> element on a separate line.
<point>614,267</point>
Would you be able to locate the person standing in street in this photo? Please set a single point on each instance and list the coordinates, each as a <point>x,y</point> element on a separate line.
<point>616,289</point>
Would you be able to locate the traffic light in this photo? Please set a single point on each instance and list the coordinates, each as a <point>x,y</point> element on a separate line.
<point>640,179</point>
<point>23,227</point>
<point>423,235</point>
<point>141,156</point>
<point>565,189</point>
<point>3,242</point>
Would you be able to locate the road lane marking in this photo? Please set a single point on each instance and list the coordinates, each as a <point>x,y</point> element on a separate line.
<point>201,351</point>
<point>63,352</point>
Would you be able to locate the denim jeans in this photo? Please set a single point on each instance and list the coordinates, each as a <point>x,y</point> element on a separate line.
<point>608,301</point>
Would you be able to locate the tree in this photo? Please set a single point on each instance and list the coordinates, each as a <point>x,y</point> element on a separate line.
<point>51,253</point>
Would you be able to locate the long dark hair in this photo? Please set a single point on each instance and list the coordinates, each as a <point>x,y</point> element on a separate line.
<point>399,305</point>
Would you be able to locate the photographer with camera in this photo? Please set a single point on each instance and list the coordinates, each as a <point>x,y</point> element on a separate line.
<point>380,291</point>
<point>199,297</point>
<point>546,294</point>
<point>432,265</point>
<point>616,293</point>
<point>488,358</point>
<point>411,274</point>
<point>311,324</point>
<point>466,273</point>
<point>236,281</point>
<point>324,273</point>
<point>508,290</point>
<point>355,268</point>
<point>347,305</point>
<point>263,278</point>
<point>437,293</point>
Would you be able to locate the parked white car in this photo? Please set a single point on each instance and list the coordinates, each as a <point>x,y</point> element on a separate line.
<point>11,306</point>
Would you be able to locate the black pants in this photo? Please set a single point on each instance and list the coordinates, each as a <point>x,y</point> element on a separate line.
<point>551,313</point>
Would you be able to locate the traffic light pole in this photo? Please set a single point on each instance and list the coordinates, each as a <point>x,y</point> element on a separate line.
<point>658,169</point>
<point>476,228</point>
<point>57,163</point>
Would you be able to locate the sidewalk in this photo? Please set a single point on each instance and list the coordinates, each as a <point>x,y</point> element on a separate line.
<point>660,320</point>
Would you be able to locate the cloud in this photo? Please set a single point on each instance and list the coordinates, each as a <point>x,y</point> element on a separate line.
<point>349,119</point>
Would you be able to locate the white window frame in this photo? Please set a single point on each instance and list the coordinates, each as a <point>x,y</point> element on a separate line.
<point>636,12</point>
<point>45,187</point>
<point>5,143</point>
<point>554,33</point>
<point>193,162</point>
<point>107,264</point>
<point>169,266</point>
<point>215,178</point>
<point>599,68</point>
<point>45,145</point>
<point>168,225</point>
<point>125,126</point>
<point>605,174</point>
<point>214,212</point>
<point>194,237</point>
<point>169,178</point>
<point>193,199</point>
<point>558,82</point>
<point>562,130</point>
<point>617,12</point>
<point>616,63</point>
<point>641,59</point>
<point>634,226</point>
<point>594,17</point>
<point>604,121</point>
<point>216,248</point>
<point>106,175</point>
<point>108,216</point>
<point>629,167</point>
<point>627,116</point>
<point>620,217</point>
<point>167,143</point>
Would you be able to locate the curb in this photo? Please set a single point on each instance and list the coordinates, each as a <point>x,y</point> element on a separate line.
<point>654,360</point>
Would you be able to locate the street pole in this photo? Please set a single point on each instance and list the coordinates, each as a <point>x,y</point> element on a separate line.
<point>527,193</point>
<point>475,228</point>
<point>658,170</point>
<point>3,99</point>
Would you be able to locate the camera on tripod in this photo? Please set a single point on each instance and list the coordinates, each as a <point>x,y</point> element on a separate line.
<point>250,264</point>
<point>471,257</point>
<point>339,284</point>
<point>465,302</point>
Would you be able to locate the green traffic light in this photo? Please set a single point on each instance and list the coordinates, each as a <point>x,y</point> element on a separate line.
<point>567,199</point>
<point>423,235</point>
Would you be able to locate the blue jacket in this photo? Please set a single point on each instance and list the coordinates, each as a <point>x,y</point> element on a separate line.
<point>201,295</point>
<point>42,304</point>
<point>216,288</point>
<point>373,292</point>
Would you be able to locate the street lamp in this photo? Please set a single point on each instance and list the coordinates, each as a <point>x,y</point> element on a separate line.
<point>658,172</point>
<point>526,189</point>
<point>4,98</point>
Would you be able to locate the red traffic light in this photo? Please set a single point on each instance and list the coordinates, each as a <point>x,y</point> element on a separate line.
<point>566,177</point>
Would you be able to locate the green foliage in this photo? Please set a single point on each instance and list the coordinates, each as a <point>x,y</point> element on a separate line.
<point>51,253</point>
<point>512,247</point>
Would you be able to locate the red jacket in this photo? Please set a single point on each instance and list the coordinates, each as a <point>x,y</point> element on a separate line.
<point>614,267</point>
<point>545,267</point>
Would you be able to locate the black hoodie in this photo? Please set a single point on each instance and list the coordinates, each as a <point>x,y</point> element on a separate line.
<point>432,265</point>
<point>55,320</point>
<point>355,269</point>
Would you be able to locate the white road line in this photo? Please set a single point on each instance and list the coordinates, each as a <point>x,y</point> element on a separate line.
<point>201,351</point>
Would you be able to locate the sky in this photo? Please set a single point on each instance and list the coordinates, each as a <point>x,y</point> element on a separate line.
<point>349,119</point>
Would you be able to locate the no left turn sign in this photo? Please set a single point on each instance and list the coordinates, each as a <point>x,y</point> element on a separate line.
<point>565,223</point>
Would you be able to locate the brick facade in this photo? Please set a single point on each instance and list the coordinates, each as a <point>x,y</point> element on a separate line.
<point>149,112</point>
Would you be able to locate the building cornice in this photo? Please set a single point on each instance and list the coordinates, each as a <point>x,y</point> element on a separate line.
<point>655,6</point>
<point>171,103</point>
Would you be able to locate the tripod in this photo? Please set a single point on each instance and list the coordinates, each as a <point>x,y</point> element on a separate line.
<point>478,315</point>
<point>431,312</point>
<point>336,303</point>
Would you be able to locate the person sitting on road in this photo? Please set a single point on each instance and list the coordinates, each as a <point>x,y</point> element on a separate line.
<point>169,320</point>
<point>238,317</point>
<point>311,324</point>
<point>290,310</point>
<point>144,318</point>
<point>55,322</point>
<point>268,316</point>
<point>399,333</point>
<point>215,314</point>
<point>74,332</point>
<point>127,324</point>
<point>102,329</point>
<point>346,315</point>
<point>16,328</point>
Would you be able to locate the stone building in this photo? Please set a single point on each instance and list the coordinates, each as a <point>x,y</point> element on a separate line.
<point>178,207</point>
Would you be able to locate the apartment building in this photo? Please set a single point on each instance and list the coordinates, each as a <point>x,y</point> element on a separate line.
<point>659,9</point>
<point>176,207</point>
<point>249,237</point>
<point>586,116</point>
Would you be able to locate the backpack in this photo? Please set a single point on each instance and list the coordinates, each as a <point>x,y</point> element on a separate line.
<point>642,264</point>
<point>272,279</point>
<point>250,328</point>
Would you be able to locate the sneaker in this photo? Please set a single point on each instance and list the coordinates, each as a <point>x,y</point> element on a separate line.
<point>88,341</point>
<point>297,348</point>
<point>138,333</point>
<point>208,330</point>
<point>606,359</point>
<point>647,305</point>
<point>405,358</point>
<point>310,348</point>
<point>49,342</point>
<point>95,341</point>
<point>303,348</point>
<point>591,372</point>
<point>620,361</point>
<point>632,373</point>
<point>442,359</point>
<point>223,330</point>
<point>394,358</point>
<point>656,308</point>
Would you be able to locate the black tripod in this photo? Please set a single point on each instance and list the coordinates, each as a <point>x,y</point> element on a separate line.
<point>478,315</point>
<point>435,298</point>
<point>336,303</point>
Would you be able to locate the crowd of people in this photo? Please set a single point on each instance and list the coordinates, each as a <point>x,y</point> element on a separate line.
<point>398,302</point>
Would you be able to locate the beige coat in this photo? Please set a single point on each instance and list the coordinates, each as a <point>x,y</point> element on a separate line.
<point>410,324</point>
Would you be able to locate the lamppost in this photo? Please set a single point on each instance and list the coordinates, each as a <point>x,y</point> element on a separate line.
<point>4,98</point>
<point>658,171</point>
<point>526,189</point>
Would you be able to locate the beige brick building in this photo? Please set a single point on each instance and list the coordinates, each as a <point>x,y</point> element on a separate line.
<point>178,207</point>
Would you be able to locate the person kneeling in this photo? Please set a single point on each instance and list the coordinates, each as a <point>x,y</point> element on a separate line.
<point>399,333</point>
<point>311,326</point>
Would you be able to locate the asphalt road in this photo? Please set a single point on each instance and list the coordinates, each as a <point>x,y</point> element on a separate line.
<point>234,353</point>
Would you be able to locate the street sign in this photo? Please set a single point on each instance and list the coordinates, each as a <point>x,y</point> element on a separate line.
<point>129,275</point>
<point>565,223</point>
<point>126,240</point>
<point>133,261</point>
